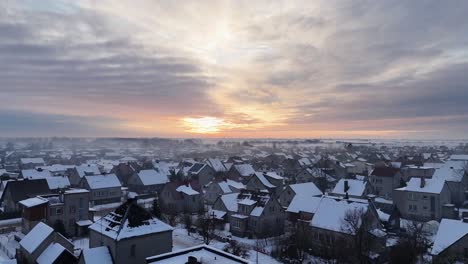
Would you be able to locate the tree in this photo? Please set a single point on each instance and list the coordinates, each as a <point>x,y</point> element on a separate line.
<point>176,176</point>
<point>156,210</point>
<point>299,238</point>
<point>188,223</point>
<point>237,249</point>
<point>60,227</point>
<point>356,223</point>
<point>409,247</point>
<point>205,226</point>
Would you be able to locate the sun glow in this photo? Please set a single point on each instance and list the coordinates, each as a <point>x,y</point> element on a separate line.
<point>204,125</point>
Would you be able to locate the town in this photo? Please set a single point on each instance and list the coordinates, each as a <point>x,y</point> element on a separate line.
<point>154,200</point>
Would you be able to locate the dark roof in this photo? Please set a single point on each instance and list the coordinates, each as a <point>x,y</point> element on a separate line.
<point>136,215</point>
<point>385,171</point>
<point>25,189</point>
<point>196,167</point>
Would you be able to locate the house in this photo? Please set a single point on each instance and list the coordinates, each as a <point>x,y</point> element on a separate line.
<point>97,255</point>
<point>331,224</point>
<point>302,208</point>
<point>384,180</point>
<point>124,171</point>
<point>215,189</point>
<point>16,191</point>
<point>240,172</point>
<point>353,188</point>
<point>31,163</point>
<point>423,199</point>
<point>456,177</point>
<point>217,165</point>
<point>44,246</point>
<point>252,213</point>
<point>147,181</point>
<point>268,181</point>
<point>359,166</point>
<point>307,189</point>
<point>314,175</point>
<point>131,234</point>
<point>55,183</point>
<point>103,188</point>
<point>76,174</point>
<point>70,208</point>
<point>182,196</point>
<point>202,173</point>
<point>197,254</point>
<point>451,242</point>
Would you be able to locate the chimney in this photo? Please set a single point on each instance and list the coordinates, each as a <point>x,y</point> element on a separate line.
<point>423,182</point>
<point>346,186</point>
<point>192,260</point>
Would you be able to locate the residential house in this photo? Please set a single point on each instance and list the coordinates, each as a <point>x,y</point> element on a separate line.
<point>197,254</point>
<point>44,246</point>
<point>302,207</point>
<point>359,166</point>
<point>241,172</point>
<point>131,234</point>
<point>103,188</point>
<point>307,189</point>
<point>16,191</point>
<point>268,181</point>
<point>384,180</point>
<point>147,181</point>
<point>202,173</point>
<point>217,165</point>
<point>31,163</point>
<point>182,196</point>
<point>351,188</point>
<point>97,255</point>
<point>76,174</point>
<point>55,183</point>
<point>451,242</point>
<point>215,189</point>
<point>124,171</point>
<point>70,208</point>
<point>455,174</point>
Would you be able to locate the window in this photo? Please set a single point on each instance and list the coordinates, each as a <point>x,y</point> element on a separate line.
<point>413,207</point>
<point>412,196</point>
<point>133,251</point>
<point>236,223</point>
<point>58,211</point>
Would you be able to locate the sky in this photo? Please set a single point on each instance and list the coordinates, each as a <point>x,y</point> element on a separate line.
<point>240,69</point>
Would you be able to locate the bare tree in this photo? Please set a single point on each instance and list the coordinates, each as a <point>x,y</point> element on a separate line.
<point>412,245</point>
<point>188,223</point>
<point>356,224</point>
<point>205,225</point>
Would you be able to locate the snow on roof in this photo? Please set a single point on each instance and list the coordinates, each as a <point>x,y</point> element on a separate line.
<point>203,254</point>
<point>330,214</point>
<point>451,171</point>
<point>247,201</point>
<point>225,185</point>
<point>31,202</point>
<point>244,170</point>
<point>217,165</point>
<point>356,187</point>
<point>56,167</point>
<point>87,170</point>
<point>304,162</point>
<point>50,254</point>
<point>152,177</point>
<point>35,237</point>
<point>306,189</point>
<point>257,211</point>
<point>230,201</point>
<point>187,189</point>
<point>273,175</point>
<point>99,255</point>
<point>32,160</point>
<point>129,220</point>
<point>434,185</point>
<point>217,213</point>
<point>58,182</point>
<point>450,231</point>
<point>35,174</point>
<point>463,157</point>
<point>301,203</point>
<point>103,181</point>
<point>264,180</point>
<point>76,190</point>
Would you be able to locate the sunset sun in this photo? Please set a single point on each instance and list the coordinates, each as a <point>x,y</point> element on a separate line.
<point>203,125</point>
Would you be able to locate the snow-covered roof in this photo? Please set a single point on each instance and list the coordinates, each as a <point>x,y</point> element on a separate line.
<point>356,187</point>
<point>450,231</point>
<point>35,201</point>
<point>35,237</point>
<point>203,253</point>
<point>301,203</point>
<point>152,177</point>
<point>187,189</point>
<point>244,170</point>
<point>129,220</point>
<point>264,180</point>
<point>257,211</point>
<point>217,165</point>
<point>98,255</point>
<point>273,175</point>
<point>35,174</point>
<point>452,170</point>
<point>217,213</point>
<point>306,189</point>
<point>50,254</point>
<point>331,213</point>
<point>58,182</point>
<point>103,181</point>
<point>87,169</point>
<point>463,157</point>
<point>230,201</point>
<point>225,185</point>
<point>32,160</point>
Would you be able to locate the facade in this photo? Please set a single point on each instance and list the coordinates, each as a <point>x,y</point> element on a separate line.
<point>215,189</point>
<point>178,197</point>
<point>124,171</point>
<point>268,181</point>
<point>202,173</point>
<point>385,180</point>
<point>131,234</point>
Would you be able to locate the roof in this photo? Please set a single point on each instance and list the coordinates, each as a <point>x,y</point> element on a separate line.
<point>463,157</point>
<point>35,174</point>
<point>307,189</point>
<point>58,182</point>
<point>230,201</point>
<point>217,165</point>
<point>356,187</point>
<point>98,255</point>
<point>21,190</point>
<point>196,168</point>
<point>331,213</point>
<point>257,211</point>
<point>244,170</point>
<point>152,177</point>
<point>50,254</point>
<point>129,220</point>
<point>32,160</point>
<point>35,237</point>
<point>31,202</point>
<point>103,181</point>
<point>187,189</point>
<point>264,180</point>
<point>203,253</point>
<point>87,170</point>
<point>450,231</point>
<point>301,203</point>
<point>226,184</point>
<point>385,171</point>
